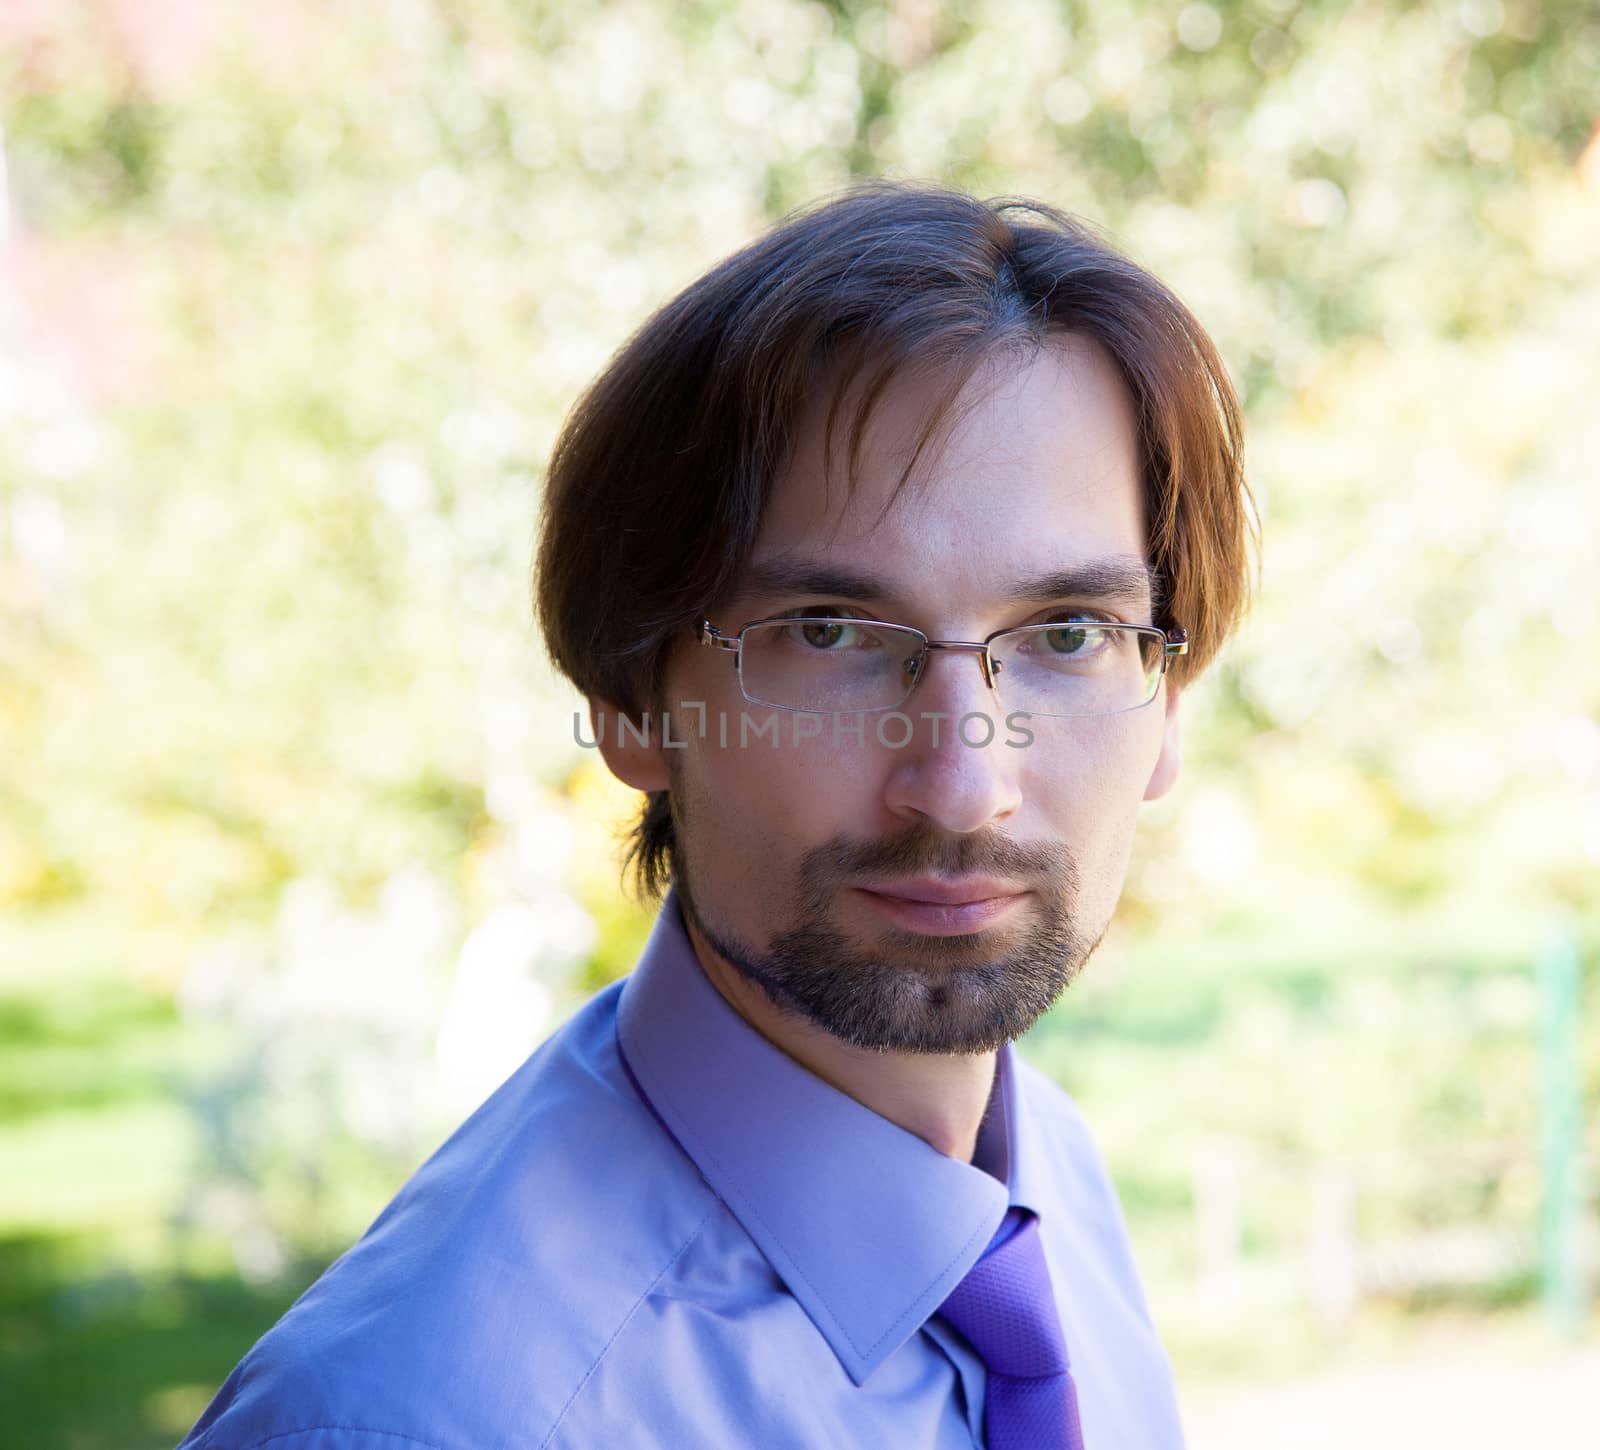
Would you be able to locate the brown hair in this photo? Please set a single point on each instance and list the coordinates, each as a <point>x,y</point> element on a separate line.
<point>658,483</point>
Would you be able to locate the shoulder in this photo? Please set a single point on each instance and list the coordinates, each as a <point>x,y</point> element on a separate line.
<point>1061,1133</point>
<point>490,1288</point>
<point>1091,1217</point>
<point>1123,1374</point>
<point>329,1437</point>
<point>1053,1110</point>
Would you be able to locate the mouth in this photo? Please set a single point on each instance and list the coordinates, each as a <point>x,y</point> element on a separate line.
<point>938,907</point>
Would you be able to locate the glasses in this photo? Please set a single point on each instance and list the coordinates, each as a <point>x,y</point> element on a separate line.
<point>823,664</point>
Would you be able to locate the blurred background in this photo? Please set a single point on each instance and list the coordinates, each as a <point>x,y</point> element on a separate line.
<point>298,856</point>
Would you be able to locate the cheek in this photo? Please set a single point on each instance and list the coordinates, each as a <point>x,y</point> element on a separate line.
<point>1086,778</point>
<point>753,805</point>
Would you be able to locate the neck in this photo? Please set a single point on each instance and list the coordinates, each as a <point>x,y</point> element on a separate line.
<point>941,1097</point>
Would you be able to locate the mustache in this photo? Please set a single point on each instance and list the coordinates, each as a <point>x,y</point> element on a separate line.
<point>924,849</point>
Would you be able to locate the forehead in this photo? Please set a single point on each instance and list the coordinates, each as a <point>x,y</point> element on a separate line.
<point>1035,470</point>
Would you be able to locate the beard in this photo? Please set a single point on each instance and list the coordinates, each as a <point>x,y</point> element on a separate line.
<point>915,993</point>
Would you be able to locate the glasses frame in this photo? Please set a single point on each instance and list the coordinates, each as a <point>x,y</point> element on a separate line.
<point>1174,642</point>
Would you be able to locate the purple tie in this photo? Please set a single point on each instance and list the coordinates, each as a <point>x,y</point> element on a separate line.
<point>1007,1310</point>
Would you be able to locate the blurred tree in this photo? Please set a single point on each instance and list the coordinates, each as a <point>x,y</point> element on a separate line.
<point>293,299</point>
<point>296,303</point>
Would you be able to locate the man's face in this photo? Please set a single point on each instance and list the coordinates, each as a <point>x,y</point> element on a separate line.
<point>935,897</point>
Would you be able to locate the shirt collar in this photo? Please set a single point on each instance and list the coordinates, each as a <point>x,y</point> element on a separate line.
<point>869,1226</point>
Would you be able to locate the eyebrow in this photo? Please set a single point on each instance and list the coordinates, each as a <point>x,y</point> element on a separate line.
<point>1119,578</point>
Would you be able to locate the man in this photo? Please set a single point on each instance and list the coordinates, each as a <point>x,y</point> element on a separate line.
<point>882,555</point>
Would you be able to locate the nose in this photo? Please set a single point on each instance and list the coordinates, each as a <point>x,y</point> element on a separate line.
<point>956,772</point>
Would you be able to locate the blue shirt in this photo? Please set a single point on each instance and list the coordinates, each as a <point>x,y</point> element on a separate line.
<point>693,1241</point>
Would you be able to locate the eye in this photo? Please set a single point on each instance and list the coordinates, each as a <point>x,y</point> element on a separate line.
<point>1077,637</point>
<point>1069,641</point>
<point>818,634</point>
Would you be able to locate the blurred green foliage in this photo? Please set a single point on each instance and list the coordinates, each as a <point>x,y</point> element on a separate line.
<point>293,300</point>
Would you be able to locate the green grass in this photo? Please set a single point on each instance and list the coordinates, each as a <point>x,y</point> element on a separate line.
<point>116,1326</point>
<point>94,1359</point>
<point>105,1343</point>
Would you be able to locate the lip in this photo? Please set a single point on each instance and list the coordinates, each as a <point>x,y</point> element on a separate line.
<point>931,907</point>
<point>939,891</point>
<point>960,917</point>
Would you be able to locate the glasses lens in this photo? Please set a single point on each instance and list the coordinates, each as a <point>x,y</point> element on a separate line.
<point>1082,668</point>
<point>829,664</point>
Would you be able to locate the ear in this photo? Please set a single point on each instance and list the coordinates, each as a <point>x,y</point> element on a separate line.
<point>1165,774</point>
<point>632,750</point>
